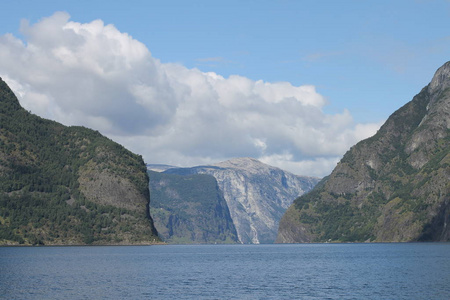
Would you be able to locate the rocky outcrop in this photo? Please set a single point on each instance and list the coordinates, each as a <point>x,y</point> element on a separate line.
<point>190,209</point>
<point>257,194</point>
<point>394,186</point>
<point>67,185</point>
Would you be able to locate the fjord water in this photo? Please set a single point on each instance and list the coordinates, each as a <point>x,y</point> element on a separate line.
<point>304,271</point>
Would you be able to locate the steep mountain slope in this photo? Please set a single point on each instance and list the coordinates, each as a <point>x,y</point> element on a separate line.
<point>190,209</point>
<point>257,195</point>
<point>394,186</point>
<point>67,185</point>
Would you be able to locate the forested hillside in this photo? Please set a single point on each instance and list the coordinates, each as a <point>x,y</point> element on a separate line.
<point>67,185</point>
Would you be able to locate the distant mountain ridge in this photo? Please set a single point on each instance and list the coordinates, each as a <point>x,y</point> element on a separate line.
<point>257,194</point>
<point>392,187</point>
<point>159,167</point>
<point>67,185</point>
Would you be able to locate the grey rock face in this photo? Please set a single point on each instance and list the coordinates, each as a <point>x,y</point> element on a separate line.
<point>440,80</point>
<point>257,195</point>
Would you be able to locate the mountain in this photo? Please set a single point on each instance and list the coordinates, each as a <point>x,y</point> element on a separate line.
<point>257,194</point>
<point>190,209</point>
<point>67,185</point>
<point>392,187</point>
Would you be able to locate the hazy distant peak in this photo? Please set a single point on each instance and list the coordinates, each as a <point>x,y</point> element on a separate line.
<point>159,167</point>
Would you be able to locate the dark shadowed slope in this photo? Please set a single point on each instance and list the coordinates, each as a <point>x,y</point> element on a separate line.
<point>190,209</point>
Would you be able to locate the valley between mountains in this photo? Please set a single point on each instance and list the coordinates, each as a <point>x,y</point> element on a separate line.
<point>248,196</point>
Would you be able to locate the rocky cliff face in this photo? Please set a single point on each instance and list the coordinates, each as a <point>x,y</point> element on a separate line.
<point>257,195</point>
<point>394,186</point>
<point>190,209</point>
<point>67,185</point>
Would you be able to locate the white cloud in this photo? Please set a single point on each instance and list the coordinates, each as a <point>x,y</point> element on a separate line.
<point>94,75</point>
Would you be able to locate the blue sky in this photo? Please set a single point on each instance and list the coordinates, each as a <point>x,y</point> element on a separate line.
<point>365,58</point>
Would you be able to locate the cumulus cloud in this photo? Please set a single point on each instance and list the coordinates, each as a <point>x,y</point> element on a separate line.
<point>94,75</point>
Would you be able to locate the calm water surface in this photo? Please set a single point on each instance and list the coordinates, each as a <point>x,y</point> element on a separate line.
<point>307,271</point>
